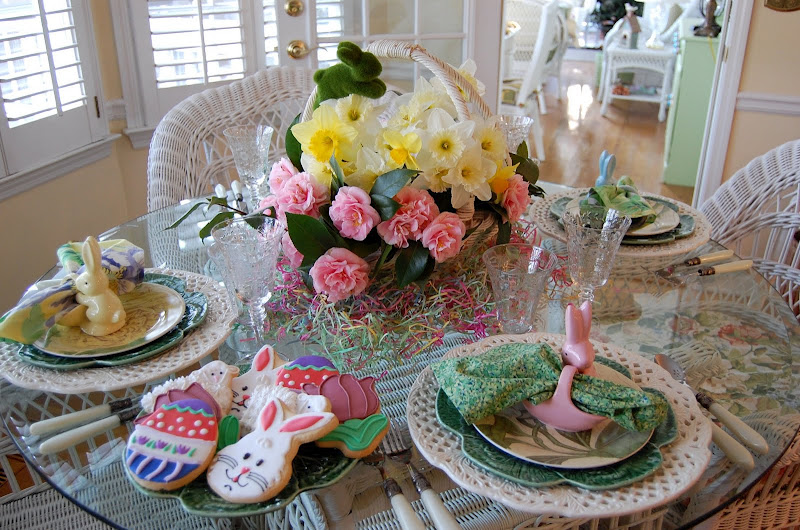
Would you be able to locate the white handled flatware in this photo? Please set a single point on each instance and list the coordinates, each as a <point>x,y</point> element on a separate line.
<point>67,421</point>
<point>740,429</point>
<point>437,511</point>
<point>698,260</point>
<point>723,268</point>
<point>67,439</point>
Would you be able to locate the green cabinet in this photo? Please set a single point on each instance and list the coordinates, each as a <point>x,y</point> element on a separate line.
<point>691,89</point>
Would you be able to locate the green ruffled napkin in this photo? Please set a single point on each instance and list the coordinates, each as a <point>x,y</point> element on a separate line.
<point>503,376</point>
<point>623,197</point>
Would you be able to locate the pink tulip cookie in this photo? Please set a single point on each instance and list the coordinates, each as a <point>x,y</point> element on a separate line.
<point>357,407</point>
<point>173,445</point>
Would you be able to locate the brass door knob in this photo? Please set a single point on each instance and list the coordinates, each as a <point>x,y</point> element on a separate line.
<point>294,8</point>
<point>298,49</point>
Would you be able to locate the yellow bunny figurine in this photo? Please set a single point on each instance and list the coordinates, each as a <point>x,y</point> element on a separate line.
<point>104,311</point>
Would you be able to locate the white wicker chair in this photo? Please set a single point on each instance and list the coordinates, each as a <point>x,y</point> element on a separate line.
<point>188,153</point>
<point>531,50</point>
<point>756,213</point>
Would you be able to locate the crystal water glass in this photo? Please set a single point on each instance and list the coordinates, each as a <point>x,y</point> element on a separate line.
<point>249,248</point>
<point>515,128</point>
<point>250,148</point>
<point>593,238</point>
<point>519,274</point>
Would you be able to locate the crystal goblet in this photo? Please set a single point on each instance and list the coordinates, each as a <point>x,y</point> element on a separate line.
<point>249,248</point>
<point>519,274</point>
<point>250,148</point>
<point>593,238</point>
<point>515,128</point>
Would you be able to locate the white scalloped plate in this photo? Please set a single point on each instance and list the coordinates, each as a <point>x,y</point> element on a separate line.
<point>684,460</point>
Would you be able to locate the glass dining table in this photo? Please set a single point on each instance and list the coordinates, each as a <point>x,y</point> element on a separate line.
<point>733,334</point>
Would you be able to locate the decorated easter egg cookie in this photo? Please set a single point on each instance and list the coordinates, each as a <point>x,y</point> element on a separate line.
<point>173,445</point>
<point>313,369</point>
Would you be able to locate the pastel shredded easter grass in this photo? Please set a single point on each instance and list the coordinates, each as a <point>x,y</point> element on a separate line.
<point>388,322</point>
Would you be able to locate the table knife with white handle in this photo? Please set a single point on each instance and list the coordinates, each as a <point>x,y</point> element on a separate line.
<point>73,419</point>
<point>698,260</point>
<point>67,439</point>
<point>723,268</point>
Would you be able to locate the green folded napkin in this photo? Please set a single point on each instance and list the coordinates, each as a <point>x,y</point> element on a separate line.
<point>503,376</point>
<point>623,197</point>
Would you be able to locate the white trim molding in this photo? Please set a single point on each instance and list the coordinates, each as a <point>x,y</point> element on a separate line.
<point>768,103</point>
<point>140,138</point>
<point>115,109</point>
<point>26,180</point>
<point>724,92</point>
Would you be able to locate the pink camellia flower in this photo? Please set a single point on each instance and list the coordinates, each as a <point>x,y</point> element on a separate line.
<point>281,171</point>
<point>289,250</point>
<point>301,194</point>
<point>352,214</point>
<point>417,210</point>
<point>516,198</point>
<point>339,273</point>
<point>443,237</point>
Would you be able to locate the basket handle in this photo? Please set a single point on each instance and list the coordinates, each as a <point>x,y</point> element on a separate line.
<point>455,83</point>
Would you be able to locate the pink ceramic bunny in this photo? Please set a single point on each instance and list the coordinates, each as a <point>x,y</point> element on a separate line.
<point>578,350</point>
<point>104,311</point>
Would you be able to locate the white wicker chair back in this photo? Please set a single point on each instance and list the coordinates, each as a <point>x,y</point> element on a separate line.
<point>756,213</point>
<point>188,153</point>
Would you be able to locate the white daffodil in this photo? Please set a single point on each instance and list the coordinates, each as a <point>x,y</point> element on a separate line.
<point>369,166</point>
<point>467,70</point>
<point>431,179</point>
<point>427,96</point>
<point>445,139</point>
<point>470,177</point>
<point>360,113</point>
<point>491,139</point>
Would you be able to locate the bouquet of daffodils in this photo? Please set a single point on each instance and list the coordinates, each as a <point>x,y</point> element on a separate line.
<point>402,181</point>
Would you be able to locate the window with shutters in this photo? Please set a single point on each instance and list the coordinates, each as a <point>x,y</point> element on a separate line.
<point>48,87</point>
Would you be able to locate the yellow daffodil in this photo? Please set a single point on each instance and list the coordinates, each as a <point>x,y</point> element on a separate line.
<point>470,177</point>
<point>368,166</point>
<point>402,147</point>
<point>321,171</point>
<point>499,182</point>
<point>325,134</point>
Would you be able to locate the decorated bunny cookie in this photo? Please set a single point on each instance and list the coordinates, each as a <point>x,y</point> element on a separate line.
<point>578,350</point>
<point>259,466</point>
<point>104,311</point>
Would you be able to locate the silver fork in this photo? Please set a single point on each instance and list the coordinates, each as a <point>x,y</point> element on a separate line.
<point>405,514</point>
<point>399,447</point>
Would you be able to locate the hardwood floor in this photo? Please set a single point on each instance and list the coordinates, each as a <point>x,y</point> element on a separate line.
<point>575,134</point>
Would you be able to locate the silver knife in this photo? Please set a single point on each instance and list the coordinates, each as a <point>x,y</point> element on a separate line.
<point>668,271</point>
<point>73,419</point>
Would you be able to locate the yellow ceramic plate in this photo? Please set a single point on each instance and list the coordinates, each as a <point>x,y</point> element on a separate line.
<point>151,311</point>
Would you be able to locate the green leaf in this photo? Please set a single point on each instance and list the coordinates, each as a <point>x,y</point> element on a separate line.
<point>386,206</point>
<point>337,171</point>
<point>310,236</point>
<point>293,147</point>
<point>503,233</point>
<point>535,190</point>
<point>217,219</point>
<point>522,150</point>
<point>527,168</point>
<point>411,263</point>
<point>184,216</point>
<point>391,182</point>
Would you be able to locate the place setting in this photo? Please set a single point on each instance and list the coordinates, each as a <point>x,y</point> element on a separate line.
<point>660,227</point>
<point>106,322</point>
